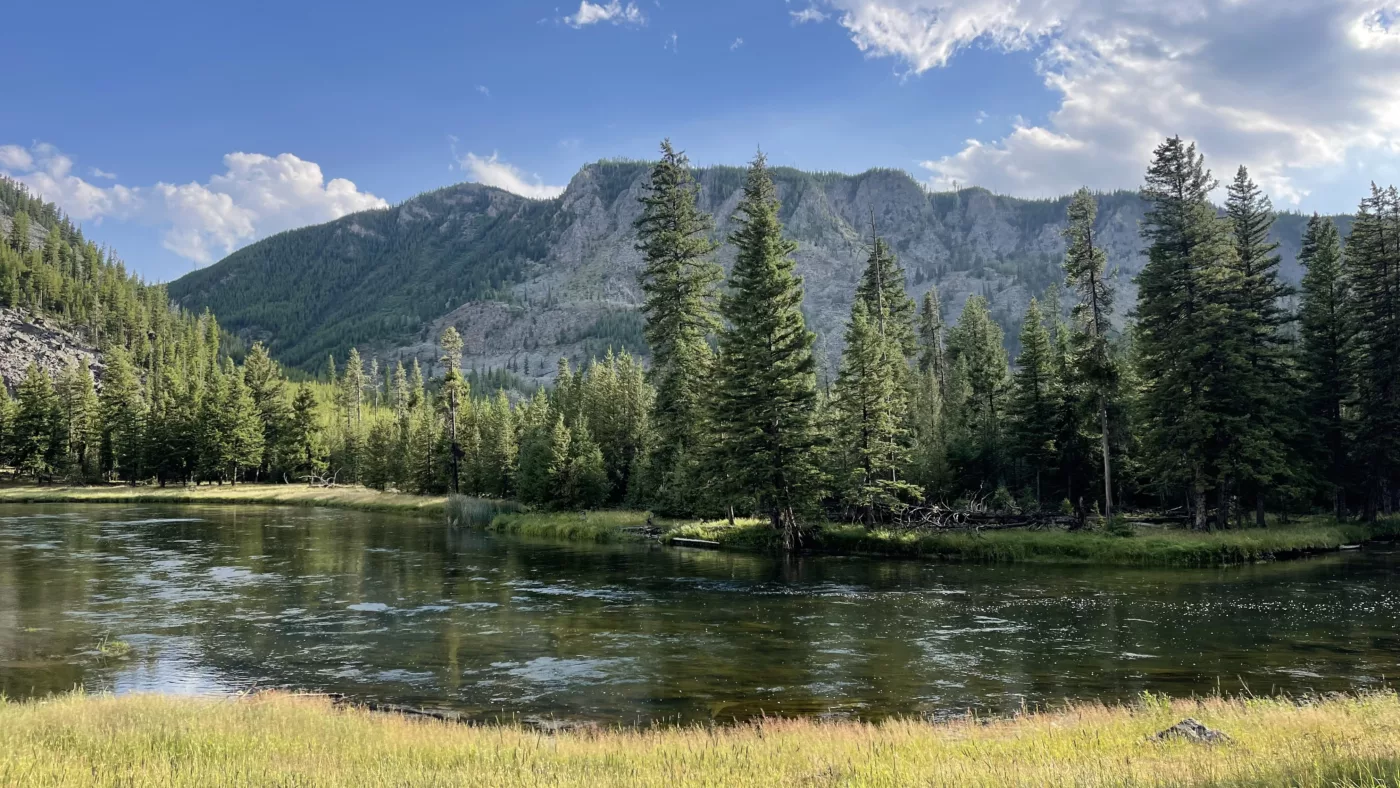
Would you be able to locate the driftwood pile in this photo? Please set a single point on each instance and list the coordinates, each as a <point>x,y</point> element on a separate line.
<point>942,518</point>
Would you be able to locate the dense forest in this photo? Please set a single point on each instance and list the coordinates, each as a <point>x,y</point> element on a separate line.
<point>1219,398</point>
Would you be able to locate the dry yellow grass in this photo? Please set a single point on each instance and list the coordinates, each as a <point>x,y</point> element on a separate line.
<point>285,494</point>
<point>153,740</point>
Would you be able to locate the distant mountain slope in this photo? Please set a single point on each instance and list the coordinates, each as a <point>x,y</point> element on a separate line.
<point>527,281</point>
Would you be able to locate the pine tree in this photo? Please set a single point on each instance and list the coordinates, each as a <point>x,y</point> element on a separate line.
<point>1092,363</point>
<point>7,424</point>
<point>886,302</point>
<point>1260,318</point>
<point>871,412</point>
<point>1325,334</point>
<point>1191,363</point>
<point>763,408</point>
<point>587,479</point>
<point>33,450</point>
<point>123,411</point>
<point>454,390</point>
<point>1373,271</point>
<point>536,482</point>
<point>77,397</point>
<point>304,431</point>
<point>1031,407</point>
<point>241,439</point>
<point>932,355</point>
<point>267,387</point>
<point>679,280</point>
<point>979,360</point>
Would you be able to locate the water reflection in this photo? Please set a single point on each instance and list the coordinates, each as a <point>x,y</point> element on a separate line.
<point>403,610</point>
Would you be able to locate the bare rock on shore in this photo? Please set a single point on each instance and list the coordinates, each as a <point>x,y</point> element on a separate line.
<point>1193,731</point>
<point>30,339</point>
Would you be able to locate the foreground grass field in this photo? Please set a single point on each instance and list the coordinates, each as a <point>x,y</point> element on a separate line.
<point>153,740</point>
<point>361,498</point>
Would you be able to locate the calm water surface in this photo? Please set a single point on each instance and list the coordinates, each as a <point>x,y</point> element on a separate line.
<point>405,610</point>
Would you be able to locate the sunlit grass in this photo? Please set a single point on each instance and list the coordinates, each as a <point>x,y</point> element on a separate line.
<point>600,526</point>
<point>1146,547</point>
<point>154,740</point>
<point>361,498</point>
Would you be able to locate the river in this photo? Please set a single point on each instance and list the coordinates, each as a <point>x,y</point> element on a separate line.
<point>399,609</point>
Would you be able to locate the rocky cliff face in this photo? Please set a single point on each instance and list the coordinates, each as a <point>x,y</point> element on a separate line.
<point>28,339</point>
<point>570,264</point>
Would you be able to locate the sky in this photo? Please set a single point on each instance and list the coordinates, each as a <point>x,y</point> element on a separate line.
<point>178,132</point>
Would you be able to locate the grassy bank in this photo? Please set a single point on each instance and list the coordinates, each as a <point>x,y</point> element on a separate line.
<point>1146,547</point>
<point>361,498</point>
<point>291,740</point>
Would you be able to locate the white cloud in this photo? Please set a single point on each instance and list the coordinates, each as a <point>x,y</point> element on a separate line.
<point>671,43</point>
<point>738,42</point>
<point>99,173</point>
<point>809,14</point>
<point>982,116</point>
<point>256,196</point>
<point>49,173</point>
<point>1291,88</point>
<point>613,11</point>
<point>491,171</point>
<point>483,90</point>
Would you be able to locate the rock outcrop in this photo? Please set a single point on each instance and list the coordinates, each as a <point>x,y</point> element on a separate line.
<point>30,339</point>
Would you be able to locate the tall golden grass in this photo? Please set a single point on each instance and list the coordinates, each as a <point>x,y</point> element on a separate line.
<point>154,740</point>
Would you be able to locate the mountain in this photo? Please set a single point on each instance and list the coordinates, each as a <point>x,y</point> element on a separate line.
<point>526,281</point>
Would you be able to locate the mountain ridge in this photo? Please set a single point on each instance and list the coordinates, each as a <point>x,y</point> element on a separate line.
<point>526,281</point>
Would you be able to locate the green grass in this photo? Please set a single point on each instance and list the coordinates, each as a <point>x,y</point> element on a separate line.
<point>599,526</point>
<point>279,739</point>
<point>1146,547</point>
<point>361,498</point>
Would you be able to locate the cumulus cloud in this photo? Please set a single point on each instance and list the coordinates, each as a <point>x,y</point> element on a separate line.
<point>613,11</point>
<point>1290,88</point>
<point>491,171</point>
<point>49,173</point>
<point>809,14</point>
<point>254,197</point>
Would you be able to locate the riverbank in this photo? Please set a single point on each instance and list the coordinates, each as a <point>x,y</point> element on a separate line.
<point>1145,547</point>
<point>279,739</point>
<point>361,498</point>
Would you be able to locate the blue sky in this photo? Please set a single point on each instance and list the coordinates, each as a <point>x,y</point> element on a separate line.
<point>179,131</point>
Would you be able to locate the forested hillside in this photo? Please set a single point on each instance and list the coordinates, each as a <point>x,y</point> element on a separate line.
<point>526,281</point>
<point>67,296</point>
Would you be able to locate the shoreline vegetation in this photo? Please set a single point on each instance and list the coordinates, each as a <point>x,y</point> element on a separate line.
<point>1145,547</point>
<point>285,739</point>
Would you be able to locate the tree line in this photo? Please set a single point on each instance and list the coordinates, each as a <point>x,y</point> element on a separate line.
<point>1212,397</point>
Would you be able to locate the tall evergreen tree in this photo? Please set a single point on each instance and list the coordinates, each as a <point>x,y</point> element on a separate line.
<point>763,409</point>
<point>1325,334</point>
<point>1093,365</point>
<point>267,387</point>
<point>33,448</point>
<point>454,391</point>
<point>1031,407</point>
<point>1373,271</point>
<point>932,355</point>
<point>1191,363</point>
<point>82,429</point>
<point>123,410</point>
<point>679,281</point>
<point>981,379</point>
<point>241,429</point>
<point>1267,390</point>
<point>888,305</point>
<point>871,411</point>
